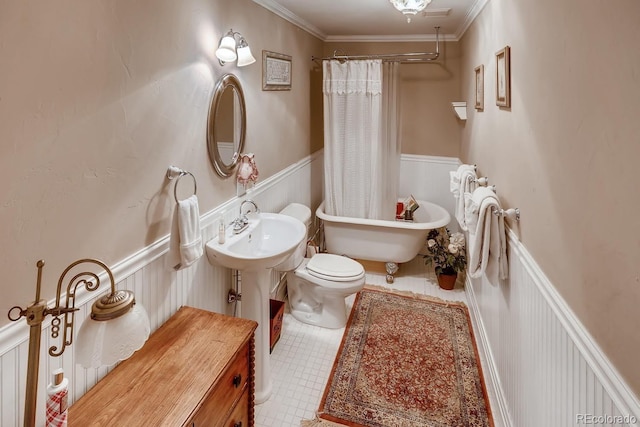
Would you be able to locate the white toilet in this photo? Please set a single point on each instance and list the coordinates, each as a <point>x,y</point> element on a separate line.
<point>318,286</point>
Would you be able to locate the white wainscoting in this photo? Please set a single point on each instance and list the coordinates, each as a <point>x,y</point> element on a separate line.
<point>544,365</point>
<point>545,368</point>
<point>427,178</point>
<point>159,290</point>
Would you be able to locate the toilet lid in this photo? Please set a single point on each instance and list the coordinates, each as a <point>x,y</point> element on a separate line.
<point>334,267</point>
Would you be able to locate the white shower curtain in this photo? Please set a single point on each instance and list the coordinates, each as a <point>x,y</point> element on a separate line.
<point>361,143</point>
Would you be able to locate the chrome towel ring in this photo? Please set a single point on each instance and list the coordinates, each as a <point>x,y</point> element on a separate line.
<point>176,173</point>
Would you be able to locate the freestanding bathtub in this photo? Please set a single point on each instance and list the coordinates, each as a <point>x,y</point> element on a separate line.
<point>391,242</point>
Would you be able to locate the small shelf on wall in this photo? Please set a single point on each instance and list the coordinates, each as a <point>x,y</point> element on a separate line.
<point>460,109</point>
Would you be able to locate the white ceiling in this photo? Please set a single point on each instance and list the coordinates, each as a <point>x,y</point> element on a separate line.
<point>376,20</point>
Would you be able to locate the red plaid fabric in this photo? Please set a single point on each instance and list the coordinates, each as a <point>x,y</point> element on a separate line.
<point>57,409</point>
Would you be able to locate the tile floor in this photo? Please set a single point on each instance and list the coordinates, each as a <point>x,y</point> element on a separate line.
<point>302,359</point>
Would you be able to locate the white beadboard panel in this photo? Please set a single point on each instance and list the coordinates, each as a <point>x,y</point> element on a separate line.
<point>160,291</point>
<point>545,366</point>
<point>427,178</point>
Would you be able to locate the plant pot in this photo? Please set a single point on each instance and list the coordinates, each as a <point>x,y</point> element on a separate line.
<point>447,281</point>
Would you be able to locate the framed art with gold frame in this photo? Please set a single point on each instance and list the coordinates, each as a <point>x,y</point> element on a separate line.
<point>479,73</point>
<point>503,77</point>
<point>276,71</point>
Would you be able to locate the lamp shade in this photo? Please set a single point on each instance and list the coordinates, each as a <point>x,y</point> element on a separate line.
<point>245,57</point>
<point>106,342</point>
<point>227,50</point>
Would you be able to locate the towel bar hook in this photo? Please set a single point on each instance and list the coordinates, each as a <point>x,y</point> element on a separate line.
<point>483,181</point>
<point>176,173</point>
<point>511,214</point>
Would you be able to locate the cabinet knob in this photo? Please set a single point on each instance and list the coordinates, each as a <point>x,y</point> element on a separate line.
<point>237,380</point>
<point>238,424</point>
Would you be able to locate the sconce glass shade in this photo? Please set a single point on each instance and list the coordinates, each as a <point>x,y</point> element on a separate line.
<point>226,52</point>
<point>244,56</point>
<point>229,51</point>
<point>410,7</point>
<point>106,342</point>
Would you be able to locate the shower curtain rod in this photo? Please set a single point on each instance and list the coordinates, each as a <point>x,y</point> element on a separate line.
<point>404,58</point>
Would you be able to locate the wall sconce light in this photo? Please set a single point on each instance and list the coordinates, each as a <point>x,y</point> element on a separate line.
<point>117,327</point>
<point>227,51</point>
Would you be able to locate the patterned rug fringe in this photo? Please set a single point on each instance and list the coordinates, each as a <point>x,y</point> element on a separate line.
<point>440,335</point>
<point>319,422</point>
<point>412,295</point>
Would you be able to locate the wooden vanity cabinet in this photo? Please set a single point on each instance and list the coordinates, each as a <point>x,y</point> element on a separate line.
<point>196,370</point>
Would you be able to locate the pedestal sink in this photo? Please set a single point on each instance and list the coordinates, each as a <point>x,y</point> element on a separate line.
<point>268,240</point>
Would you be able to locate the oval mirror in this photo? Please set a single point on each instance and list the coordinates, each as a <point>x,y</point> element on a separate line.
<point>226,125</point>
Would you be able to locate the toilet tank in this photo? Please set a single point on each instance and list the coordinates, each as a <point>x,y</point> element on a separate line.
<point>298,211</point>
<point>303,214</point>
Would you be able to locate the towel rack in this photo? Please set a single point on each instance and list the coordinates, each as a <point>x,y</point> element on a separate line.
<point>512,214</point>
<point>176,173</point>
<point>492,188</point>
<point>481,181</point>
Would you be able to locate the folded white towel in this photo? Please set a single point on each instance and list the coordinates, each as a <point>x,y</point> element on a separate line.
<point>487,238</point>
<point>185,242</point>
<point>462,181</point>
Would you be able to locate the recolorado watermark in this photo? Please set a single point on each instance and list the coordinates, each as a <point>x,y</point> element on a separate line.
<point>606,419</point>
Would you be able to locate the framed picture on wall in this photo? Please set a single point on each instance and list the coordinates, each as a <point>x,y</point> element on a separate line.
<point>503,77</point>
<point>479,72</point>
<point>276,71</point>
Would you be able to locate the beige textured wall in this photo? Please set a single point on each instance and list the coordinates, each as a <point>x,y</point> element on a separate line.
<point>429,125</point>
<point>567,151</point>
<point>98,98</point>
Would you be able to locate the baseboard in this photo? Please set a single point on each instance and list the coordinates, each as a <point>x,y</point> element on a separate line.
<point>500,407</point>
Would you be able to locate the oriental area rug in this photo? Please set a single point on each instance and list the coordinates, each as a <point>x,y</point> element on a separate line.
<point>405,361</point>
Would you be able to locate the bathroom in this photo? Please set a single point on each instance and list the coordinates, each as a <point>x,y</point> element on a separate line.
<point>97,99</point>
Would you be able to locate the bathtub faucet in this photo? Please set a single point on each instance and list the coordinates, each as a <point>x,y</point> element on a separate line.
<point>242,222</point>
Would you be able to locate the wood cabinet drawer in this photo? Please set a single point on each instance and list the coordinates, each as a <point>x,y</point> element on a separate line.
<point>193,371</point>
<point>240,415</point>
<point>233,383</point>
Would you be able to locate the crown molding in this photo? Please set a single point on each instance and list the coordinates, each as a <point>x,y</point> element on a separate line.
<point>291,17</point>
<point>471,16</point>
<point>287,15</point>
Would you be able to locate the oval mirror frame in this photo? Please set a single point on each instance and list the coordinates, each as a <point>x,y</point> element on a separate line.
<point>227,81</point>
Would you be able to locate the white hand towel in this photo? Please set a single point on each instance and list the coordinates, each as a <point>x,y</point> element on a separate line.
<point>488,242</point>
<point>454,183</point>
<point>185,242</point>
<point>462,181</point>
<point>456,177</point>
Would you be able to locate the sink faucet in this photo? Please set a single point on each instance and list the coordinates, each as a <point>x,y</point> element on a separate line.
<point>242,222</point>
<point>255,207</point>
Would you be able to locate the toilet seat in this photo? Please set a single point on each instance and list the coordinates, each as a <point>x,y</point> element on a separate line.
<point>317,294</point>
<point>335,268</point>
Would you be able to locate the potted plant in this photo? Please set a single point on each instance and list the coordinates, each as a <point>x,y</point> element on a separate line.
<point>447,254</point>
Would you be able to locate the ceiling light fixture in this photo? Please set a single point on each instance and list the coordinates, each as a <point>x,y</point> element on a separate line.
<point>410,7</point>
<point>227,51</point>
